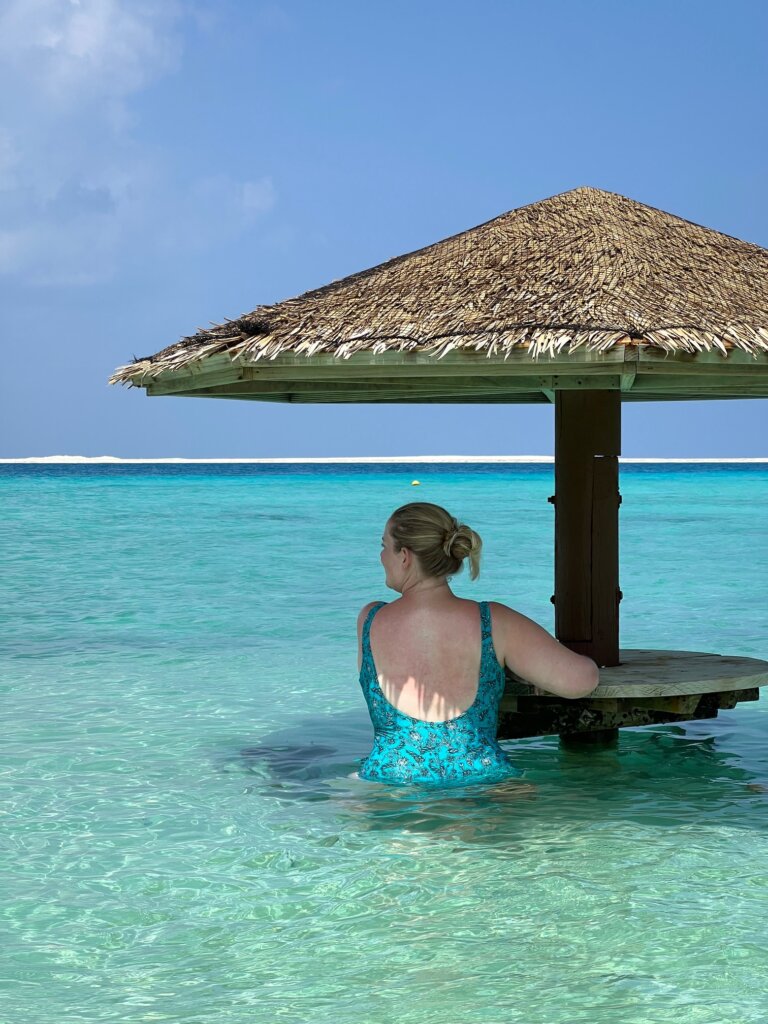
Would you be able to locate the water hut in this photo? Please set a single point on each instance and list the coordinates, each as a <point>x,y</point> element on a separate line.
<point>584,300</point>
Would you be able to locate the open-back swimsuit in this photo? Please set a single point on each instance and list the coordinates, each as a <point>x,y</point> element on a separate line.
<point>462,749</point>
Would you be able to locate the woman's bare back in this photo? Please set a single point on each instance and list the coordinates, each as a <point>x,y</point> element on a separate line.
<point>427,657</point>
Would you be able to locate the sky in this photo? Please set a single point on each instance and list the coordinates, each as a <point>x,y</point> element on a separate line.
<point>167,164</point>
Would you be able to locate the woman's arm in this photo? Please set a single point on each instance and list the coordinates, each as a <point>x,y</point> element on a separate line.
<point>536,656</point>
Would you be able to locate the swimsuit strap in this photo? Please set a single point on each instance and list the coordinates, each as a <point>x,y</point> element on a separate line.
<point>488,660</point>
<point>367,628</point>
<point>485,622</point>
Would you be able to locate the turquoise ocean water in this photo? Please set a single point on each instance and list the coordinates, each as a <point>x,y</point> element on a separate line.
<point>183,840</point>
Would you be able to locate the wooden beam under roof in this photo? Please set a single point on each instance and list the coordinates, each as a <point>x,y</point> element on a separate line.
<point>463,377</point>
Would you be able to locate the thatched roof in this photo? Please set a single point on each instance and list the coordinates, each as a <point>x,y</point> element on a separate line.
<point>583,268</point>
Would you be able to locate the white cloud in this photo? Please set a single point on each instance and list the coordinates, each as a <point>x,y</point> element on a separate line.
<point>88,49</point>
<point>77,191</point>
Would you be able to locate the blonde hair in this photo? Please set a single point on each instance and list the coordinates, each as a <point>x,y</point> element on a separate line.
<point>439,541</point>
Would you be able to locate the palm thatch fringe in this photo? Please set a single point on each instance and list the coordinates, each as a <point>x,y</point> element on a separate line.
<point>583,268</point>
<point>540,343</point>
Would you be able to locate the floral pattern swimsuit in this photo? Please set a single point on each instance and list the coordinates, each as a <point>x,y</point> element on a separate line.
<point>462,749</point>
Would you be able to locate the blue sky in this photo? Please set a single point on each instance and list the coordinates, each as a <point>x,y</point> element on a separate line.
<point>167,164</point>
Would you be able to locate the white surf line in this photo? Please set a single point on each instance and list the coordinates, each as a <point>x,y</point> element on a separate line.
<point>344,459</point>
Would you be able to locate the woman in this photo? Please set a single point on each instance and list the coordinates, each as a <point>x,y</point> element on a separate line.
<point>432,664</point>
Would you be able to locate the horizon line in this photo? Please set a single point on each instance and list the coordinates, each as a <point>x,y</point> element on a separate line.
<point>349,459</point>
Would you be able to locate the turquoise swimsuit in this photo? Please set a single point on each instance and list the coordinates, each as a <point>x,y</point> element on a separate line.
<point>462,749</point>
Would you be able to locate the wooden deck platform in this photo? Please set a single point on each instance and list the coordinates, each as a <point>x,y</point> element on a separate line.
<point>648,687</point>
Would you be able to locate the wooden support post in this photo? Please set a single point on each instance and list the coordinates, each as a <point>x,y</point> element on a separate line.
<point>587,448</point>
<point>596,738</point>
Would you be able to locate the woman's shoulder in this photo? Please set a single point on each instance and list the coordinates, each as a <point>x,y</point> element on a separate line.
<point>501,608</point>
<point>515,629</point>
<point>502,615</point>
<point>365,611</point>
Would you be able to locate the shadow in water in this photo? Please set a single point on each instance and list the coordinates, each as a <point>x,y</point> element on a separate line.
<point>303,760</point>
<point>663,776</point>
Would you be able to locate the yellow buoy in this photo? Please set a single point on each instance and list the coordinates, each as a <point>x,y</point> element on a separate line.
<point>415,483</point>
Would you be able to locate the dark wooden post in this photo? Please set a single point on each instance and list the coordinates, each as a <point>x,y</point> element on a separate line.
<point>586,499</point>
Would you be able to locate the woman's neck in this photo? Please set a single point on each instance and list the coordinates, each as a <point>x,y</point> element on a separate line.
<point>425,585</point>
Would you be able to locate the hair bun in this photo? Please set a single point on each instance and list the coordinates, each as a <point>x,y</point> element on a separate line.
<point>439,541</point>
<point>450,539</point>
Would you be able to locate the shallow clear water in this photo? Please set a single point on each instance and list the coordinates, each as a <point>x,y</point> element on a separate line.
<point>183,840</point>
